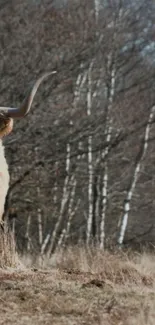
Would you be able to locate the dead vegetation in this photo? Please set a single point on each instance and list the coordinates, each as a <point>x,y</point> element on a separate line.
<point>8,254</point>
<point>83,287</point>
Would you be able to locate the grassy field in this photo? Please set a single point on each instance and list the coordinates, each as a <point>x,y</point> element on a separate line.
<point>80,287</point>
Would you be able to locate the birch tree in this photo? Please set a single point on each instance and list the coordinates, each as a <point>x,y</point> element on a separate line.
<point>64,200</point>
<point>104,155</point>
<point>90,159</point>
<point>134,178</point>
<point>111,69</point>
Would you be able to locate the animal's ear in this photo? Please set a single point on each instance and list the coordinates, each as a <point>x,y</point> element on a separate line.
<point>6,127</point>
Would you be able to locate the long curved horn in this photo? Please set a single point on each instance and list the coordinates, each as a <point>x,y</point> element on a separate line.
<point>26,105</point>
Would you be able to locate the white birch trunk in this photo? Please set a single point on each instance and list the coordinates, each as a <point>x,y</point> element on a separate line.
<point>90,190</point>
<point>108,134</point>
<point>80,82</point>
<point>61,238</point>
<point>40,230</point>
<point>127,204</point>
<point>55,190</point>
<point>90,160</point>
<point>27,235</point>
<point>65,231</point>
<point>97,9</point>
<point>71,212</point>
<point>64,200</point>
<point>97,208</point>
<point>104,205</point>
<point>45,243</point>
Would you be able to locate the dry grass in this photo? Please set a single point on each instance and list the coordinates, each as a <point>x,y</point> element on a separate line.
<point>8,255</point>
<point>81,287</point>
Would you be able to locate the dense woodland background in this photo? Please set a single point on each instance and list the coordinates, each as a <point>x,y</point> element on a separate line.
<point>82,163</point>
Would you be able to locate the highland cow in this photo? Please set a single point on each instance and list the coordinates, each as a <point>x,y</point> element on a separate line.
<point>7,115</point>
